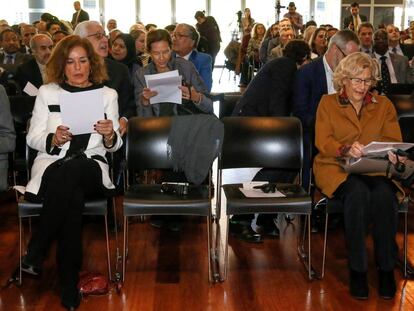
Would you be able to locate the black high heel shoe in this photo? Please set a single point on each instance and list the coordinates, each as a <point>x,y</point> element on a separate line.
<point>71,299</point>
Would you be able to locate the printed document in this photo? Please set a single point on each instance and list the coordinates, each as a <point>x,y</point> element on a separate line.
<point>166,85</point>
<point>81,110</point>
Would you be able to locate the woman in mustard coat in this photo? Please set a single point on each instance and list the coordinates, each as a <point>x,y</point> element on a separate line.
<point>345,123</point>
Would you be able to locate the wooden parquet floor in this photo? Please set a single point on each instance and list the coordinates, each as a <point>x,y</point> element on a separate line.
<point>168,271</point>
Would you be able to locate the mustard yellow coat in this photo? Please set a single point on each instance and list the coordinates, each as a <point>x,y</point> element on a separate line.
<point>338,124</point>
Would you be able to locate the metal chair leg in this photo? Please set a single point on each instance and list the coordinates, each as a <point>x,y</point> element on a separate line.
<point>325,244</point>
<point>108,254</point>
<point>125,249</point>
<point>226,250</point>
<point>310,272</point>
<point>20,251</point>
<point>405,243</point>
<point>209,254</point>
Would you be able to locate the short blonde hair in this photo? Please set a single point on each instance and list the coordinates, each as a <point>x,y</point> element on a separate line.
<point>353,65</point>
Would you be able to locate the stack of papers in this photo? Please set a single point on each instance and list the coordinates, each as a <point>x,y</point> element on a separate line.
<point>249,191</point>
<point>166,85</point>
<point>381,148</point>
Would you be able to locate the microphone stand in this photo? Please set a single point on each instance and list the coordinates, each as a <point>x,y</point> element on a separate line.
<point>278,7</point>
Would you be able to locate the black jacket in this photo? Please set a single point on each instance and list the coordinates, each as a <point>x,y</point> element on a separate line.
<point>119,81</point>
<point>29,72</point>
<point>270,91</point>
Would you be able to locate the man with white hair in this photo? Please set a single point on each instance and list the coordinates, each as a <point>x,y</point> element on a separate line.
<point>34,70</point>
<point>117,72</point>
<point>185,40</point>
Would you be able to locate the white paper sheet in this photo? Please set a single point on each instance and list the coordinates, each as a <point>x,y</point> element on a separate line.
<point>166,85</point>
<point>30,89</point>
<point>376,147</point>
<point>81,110</point>
<point>250,192</point>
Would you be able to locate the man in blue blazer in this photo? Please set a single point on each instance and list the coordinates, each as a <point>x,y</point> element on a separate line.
<point>314,80</point>
<point>185,40</point>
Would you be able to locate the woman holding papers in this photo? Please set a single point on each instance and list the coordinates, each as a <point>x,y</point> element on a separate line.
<point>194,92</point>
<point>69,168</point>
<point>345,122</point>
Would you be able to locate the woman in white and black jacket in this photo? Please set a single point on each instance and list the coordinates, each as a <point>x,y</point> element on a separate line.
<point>68,168</point>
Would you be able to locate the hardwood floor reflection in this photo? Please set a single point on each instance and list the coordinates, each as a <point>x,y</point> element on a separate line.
<point>168,271</point>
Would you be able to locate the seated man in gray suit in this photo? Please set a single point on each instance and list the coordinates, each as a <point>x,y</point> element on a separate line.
<point>7,137</point>
<point>394,67</point>
<point>11,58</point>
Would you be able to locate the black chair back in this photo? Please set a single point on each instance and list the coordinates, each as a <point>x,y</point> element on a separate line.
<point>147,143</point>
<point>406,122</point>
<point>228,103</point>
<point>403,103</point>
<point>269,142</point>
<point>21,108</point>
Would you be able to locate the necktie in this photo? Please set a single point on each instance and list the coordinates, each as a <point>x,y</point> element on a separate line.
<point>9,59</point>
<point>385,75</point>
<point>394,50</point>
<point>355,23</point>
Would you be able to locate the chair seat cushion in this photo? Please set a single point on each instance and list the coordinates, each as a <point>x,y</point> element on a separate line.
<point>92,207</point>
<point>149,200</point>
<point>297,201</point>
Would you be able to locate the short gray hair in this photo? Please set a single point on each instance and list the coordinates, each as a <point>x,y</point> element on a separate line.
<point>342,37</point>
<point>81,29</point>
<point>192,32</point>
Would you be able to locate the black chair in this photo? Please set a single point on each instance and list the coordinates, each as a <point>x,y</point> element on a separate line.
<point>28,209</point>
<point>267,142</point>
<point>147,149</point>
<point>21,108</point>
<point>406,121</point>
<point>228,103</point>
<point>403,103</point>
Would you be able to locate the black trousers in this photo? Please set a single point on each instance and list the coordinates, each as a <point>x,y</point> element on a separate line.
<point>64,188</point>
<point>369,200</point>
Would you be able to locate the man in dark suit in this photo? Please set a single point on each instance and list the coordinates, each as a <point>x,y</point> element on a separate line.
<point>209,29</point>
<point>365,35</point>
<point>394,67</point>
<point>394,45</point>
<point>33,71</point>
<point>118,73</point>
<point>354,20</point>
<point>27,32</point>
<point>11,58</point>
<point>80,15</point>
<point>185,40</point>
<point>314,80</point>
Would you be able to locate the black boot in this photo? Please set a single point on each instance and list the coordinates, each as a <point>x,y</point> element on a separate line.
<point>386,284</point>
<point>243,231</point>
<point>358,285</point>
<point>70,297</point>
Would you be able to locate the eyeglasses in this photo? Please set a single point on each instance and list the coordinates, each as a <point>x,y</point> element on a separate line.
<point>98,35</point>
<point>340,50</point>
<point>180,35</point>
<point>358,81</point>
